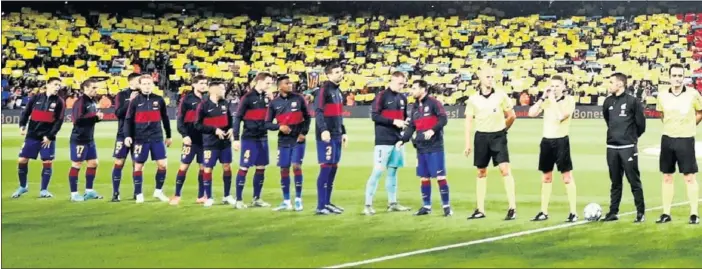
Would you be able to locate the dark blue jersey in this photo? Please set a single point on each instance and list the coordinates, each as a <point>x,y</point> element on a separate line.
<point>252,110</point>
<point>290,110</point>
<point>210,117</point>
<point>427,114</point>
<point>85,117</point>
<point>121,107</point>
<point>145,117</point>
<point>187,117</point>
<point>329,110</point>
<point>44,115</point>
<point>387,107</point>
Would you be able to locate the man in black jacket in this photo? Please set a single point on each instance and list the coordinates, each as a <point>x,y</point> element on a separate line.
<point>626,122</point>
<point>120,152</point>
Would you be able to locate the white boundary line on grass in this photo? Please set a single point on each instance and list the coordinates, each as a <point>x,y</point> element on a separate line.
<point>475,242</point>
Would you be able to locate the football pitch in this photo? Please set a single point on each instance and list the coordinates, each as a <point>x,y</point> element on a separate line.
<point>57,233</point>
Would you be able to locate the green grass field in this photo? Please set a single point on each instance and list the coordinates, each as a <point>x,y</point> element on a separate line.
<point>58,233</point>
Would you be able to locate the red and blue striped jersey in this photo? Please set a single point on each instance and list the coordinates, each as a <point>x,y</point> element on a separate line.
<point>387,107</point>
<point>84,115</point>
<point>427,114</point>
<point>210,117</point>
<point>121,107</point>
<point>252,110</point>
<point>187,117</point>
<point>146,116</point>
<point>44,114</point>
<point>290,110</point>
<point>329,110</point>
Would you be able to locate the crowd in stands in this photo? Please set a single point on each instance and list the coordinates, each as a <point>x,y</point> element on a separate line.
<point>445,49</point>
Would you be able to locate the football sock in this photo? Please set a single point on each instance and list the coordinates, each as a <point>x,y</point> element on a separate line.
<point>258,183</point>
<point>391,185</point>
<point>509,188</point>
<point>207,184</point>
<point>324,173</point>
<point>693,194</point>
<point>160,178</point>
<point>444,191</point>
<point>546,188</point>
<point>22,170</point>
<point>426,192</point>
<point>481,192</point>
<point>668,192</point>
<point>73,178</point>
<point>180,180</point>
<point>297,171</point>
<point>46,176</point>
<point>330,182</point>
<point>116,177</point>
<point>200,186</point>
<point>227,179</point>
<point>137,176</point>
<point>285,182</point>
<point>90,177</point>
<point>240,182</point>
<point>372,185</point>
<point>572,195</point>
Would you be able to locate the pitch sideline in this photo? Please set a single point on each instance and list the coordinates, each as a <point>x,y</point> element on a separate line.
<point>480,241</point>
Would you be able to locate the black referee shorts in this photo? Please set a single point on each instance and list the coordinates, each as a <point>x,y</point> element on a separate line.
<point>555,151</point>
<point>490,146</point>
<point>678,150</point>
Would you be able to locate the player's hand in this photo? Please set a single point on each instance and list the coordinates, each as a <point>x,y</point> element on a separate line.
<point>128,142</point>
<point>300,138</point>
<point>398,145</point>
<point>23,131</point>
<point>46,143</point>
<point>236,145</point>
<point>399,123</point>
<point>99,115</point>
<point>326,136</point>
<point>428,134</point>
<point>133,95</point>
<point>187,141</point>
<point>344,140</point>
<point>229,133</point>
<point>220,133</point>
<point>168,142</point>
<point>467,151</point>
<point>285,129</point>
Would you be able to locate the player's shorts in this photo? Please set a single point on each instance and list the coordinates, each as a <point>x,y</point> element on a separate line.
<point>431,165</point>
<point>293,154</point>
<point>140,151</point>
<point>83,151</point>
<point>490,146</point>
<point>189,152</point>
<point>211,156</point>
<point>31,148</point>
<point>254,153</point>
<point>678,150</point>
<point>120,151</point>
<point>555,151</point>
<point>329,153</point>
<point>388,156</point>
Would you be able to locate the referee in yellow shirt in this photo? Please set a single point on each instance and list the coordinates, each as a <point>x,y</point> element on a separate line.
<point>493,114</point>
<point>555,145</point>
<point>681,111</point>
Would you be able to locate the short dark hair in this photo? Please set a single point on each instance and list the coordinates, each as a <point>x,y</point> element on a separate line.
<point>558,77</point>
<point>422,84</point>
<point>620,76</point>
<point>330,67</point>
<point>88,82</point>
<point>399,74</point>
<point>281,78</point>
<point>262,76</point>
<point>676,65</point>
<point>199,78</point>
<point>52,79</point>
<point>133,76</point>
<point>215,82</point>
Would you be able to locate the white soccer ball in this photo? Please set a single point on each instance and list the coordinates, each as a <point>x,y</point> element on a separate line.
<point>593,212</point>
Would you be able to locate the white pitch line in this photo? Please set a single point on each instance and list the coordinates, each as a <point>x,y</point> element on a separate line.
<point>475,242</point>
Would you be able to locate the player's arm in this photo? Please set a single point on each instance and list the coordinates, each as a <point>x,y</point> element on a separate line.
<point>306,119</point>
<point>200,122</point>
<point>377,111</point>
<point>407,135</point>
<point>508,109</point>
<point>120,107</point>
<point>164,118</point>
<point>319,110</point>
<point>659,106</point>
<point>468,129</point>
<point>128,127</point>
<point>240,112</point>
<point>79,116</point>
<point>605,110</point>
<point>270,116</point>
<point>538,107</point>
<point>570,108</point>
<point>180,118</point>
<point>58,119</point>
<point>441,115</point>
<point>24,117</point>
<point>639,117</point>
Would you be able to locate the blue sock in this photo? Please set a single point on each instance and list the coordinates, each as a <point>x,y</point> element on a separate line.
<point>200,186</point>
<point>22,170</point>
<point>426,192</point>
<point>227,179</point>
<point>372,185</point>
<point>324,173</point>
<point>46,176</point>
<point>444,190</point>
<point>285,182</point>
<point>298,181</point>
<point>160,178</point>
<point>180,180</point>
<point>330,182</point>
<point>116,178</point>
<point>138,179</point>
<point>207,183</point>
<point>391,185</point>
<point>73,178</point>
<point>258,183</point>
<point>240,182</point>
<point>90,177</point>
